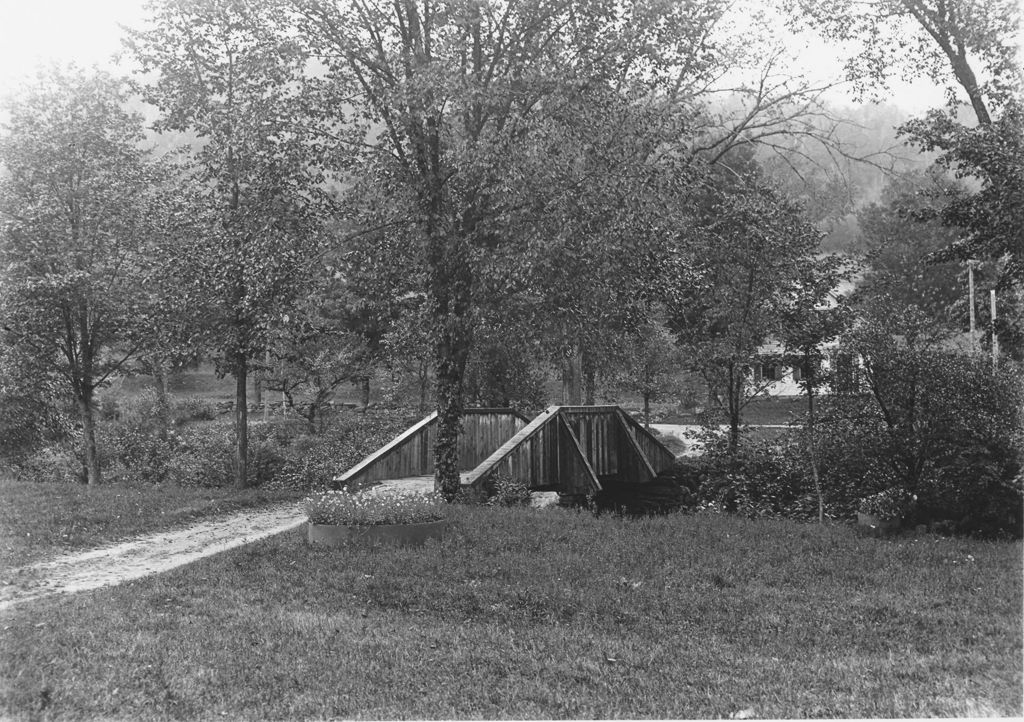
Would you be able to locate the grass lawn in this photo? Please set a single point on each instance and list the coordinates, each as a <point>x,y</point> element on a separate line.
<point>541,613</point>
<point>39,520</point>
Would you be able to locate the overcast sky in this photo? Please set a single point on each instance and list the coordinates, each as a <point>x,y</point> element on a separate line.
<point>87,31</point>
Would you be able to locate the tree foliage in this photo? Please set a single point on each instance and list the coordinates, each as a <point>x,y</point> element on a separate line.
<point>231,74</point>
<point>80,215</point>
<point>966,46</point>
<point>752,247</point>
<point>901,242</point>
<point>460,94</point>
<point>930,419</point>
<point>962,45</point>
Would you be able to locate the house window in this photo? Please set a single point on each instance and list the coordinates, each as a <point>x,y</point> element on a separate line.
<point>806,368</point>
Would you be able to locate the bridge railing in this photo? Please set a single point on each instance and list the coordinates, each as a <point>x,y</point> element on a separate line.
<point>571,449</point>
<point>411,453</point>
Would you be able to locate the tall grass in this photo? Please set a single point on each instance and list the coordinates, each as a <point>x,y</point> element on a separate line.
<point>551,613</point>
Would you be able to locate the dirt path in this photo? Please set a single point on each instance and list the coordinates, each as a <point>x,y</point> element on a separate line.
<point>161,552</point>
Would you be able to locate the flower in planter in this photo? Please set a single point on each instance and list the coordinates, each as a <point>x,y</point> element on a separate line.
<point>892,503</point>
<point>344,508</point>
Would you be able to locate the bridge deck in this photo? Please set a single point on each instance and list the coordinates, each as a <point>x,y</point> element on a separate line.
<point>411,483</point>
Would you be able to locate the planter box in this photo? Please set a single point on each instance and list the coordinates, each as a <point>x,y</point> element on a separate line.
<point>876,526</point>
<point>405,535</point>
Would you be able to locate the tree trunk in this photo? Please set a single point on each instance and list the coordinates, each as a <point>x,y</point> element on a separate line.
<point>812,448</point>
<point>311,417</point>
<point>423,376</point>
<point>571,379</point>
<point>647,411</point>
<point>162,402</point>
<point>447,478</point>
<point>589,379</point>
<point>735,407</point>
<point>93,475</point>
<point>241,422</point>
<point>364,392</point>
<point>451,288</point>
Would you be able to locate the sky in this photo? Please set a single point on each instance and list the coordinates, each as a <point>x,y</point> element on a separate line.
<point>34,31</point>
<point>87,31</point>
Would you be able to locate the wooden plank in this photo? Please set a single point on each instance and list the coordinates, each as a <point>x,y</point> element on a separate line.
<point>656,452</point>
<point>524,435</point>
<point>410,454</point>
<point>574,453</point>
<point>632,448</point>
<point>382,453</point>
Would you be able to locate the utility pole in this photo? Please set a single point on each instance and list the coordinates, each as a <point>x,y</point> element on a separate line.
<point>995,336</point>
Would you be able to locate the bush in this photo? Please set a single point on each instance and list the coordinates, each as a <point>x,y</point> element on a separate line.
<point>503,490</point>
<point>32,414</point>
<point>757,479</point>
<point>206,456</point>
<point>471,496</point>
<point>941,424</point>
<point>892,503</point>
<point>314,461</point>
<point>193,408</point>
<point>58,463</point>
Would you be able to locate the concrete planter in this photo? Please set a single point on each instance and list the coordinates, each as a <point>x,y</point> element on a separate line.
<point>876,526</point>
<point>403,535</point>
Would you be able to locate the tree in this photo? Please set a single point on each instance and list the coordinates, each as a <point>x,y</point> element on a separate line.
<point>992,156</point>
<point>751,249</point>
<point>653,365</point>
<point>80,216</point>
<point>231,73</point>
<point>935,421</point>
<point>961,45</point>
<point>456,90</point>
<point>900,246</point>
<point>814,315</point>
<point>967,47</point>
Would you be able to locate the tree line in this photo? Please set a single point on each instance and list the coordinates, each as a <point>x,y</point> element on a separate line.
<point>463,187</point>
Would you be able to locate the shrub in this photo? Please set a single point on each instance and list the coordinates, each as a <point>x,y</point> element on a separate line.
<point>315,461</point>
<point>193,408</point>
<point>207,456</point>
<point>59,463</point>
<point>503,490</point>
<point>133,455</point>
<point>941,424</point>
<point>892,503</point>
<point>32,415</point>
<point>363,509</point>
<point>109,408</point>
<point>471,496</point>
<point>756,479</point>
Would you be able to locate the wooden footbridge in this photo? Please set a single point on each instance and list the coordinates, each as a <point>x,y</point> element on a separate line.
<point>568,449</point>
